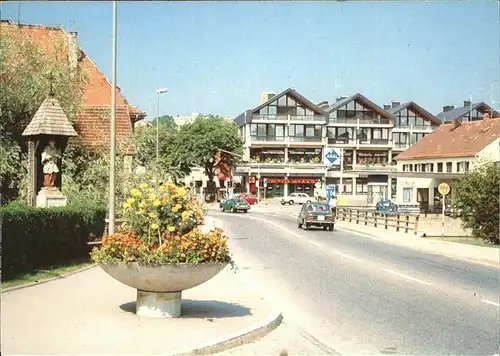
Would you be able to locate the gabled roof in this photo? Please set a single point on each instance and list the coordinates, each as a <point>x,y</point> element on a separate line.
<point>466,140</point>
<point>291,92</point>
<point>447,116</point>
<point>50,119</point>
<point>364,100</point>
<point>415,107</point>
<point>96,89</point>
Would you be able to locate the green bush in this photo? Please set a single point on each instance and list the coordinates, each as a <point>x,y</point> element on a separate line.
<point>36,237</point>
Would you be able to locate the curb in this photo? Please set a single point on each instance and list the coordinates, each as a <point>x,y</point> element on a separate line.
<point>32,284</point>
<point>245,336</point>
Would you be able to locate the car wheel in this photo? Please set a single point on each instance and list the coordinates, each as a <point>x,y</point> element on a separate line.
<point>300,225</point>
<point>325,227</point>
<point>282,203</point>
<point>290,202</point>
<point>234,210</point>
<point>306,226</point>
<point>245,211</point>
<point>331,227</point>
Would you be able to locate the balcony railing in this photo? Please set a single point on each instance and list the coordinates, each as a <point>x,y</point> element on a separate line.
<point>353,121</point>
<point>414,127</point>
<point>308,118</point>
<point>362,121</point>
<point>338,140</point>
<point>401,145</point>
<point>374,167</point>
<point>375,141</point>
<point>263,117</point>
<point>267,138</point>
<point>318,139</point>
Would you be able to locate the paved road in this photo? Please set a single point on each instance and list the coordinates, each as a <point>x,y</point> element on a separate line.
<point>362,296</point>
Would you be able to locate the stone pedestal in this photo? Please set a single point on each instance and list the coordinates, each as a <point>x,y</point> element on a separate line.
<point>158,305</point>
<point>49,197</point>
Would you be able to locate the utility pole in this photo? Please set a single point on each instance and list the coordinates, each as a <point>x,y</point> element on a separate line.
<point>112,168</point>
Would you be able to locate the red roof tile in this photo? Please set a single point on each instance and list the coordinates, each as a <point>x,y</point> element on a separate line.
<point>468,139</point>
<point>96,91</point>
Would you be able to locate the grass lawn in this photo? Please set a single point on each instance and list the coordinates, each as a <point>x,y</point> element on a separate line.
<point>463,240</point>
<point>49,272</point>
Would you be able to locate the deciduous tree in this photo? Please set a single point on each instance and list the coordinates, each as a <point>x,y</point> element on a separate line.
<point>476,198</point>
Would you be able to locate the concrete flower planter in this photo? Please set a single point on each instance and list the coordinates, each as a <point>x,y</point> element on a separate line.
<point>159,289</point>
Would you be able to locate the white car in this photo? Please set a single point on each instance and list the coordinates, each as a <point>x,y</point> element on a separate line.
<point>297,198</point>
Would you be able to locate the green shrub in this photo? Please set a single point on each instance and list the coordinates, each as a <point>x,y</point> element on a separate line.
<point>36,237</point>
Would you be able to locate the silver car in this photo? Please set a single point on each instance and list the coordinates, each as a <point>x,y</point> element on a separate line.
<point>296,198</point>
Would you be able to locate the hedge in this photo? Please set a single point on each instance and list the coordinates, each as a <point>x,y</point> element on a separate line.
<point>34,238</point>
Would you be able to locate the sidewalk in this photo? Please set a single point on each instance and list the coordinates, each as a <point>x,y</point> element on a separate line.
<point>91,313</point>
<point>487,255</point>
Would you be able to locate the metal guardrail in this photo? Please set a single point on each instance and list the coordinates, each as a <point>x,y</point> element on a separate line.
<point>369,216</point>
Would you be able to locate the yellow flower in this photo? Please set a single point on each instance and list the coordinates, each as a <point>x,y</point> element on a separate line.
<point>140,211</point>
<point>156,203</point>
<point>185,215</point>
<point>181,191</point>
<point>126,205</point>
<point>152,197</point>
<point>135,192</point>
<point>143,204</point>
<point>131,200</point>
<point>152,215</point>
<point>162,188</point>
<point>143,186</point>
<point>176,208</point>
<point>171,228</point>
<point>154,226</point>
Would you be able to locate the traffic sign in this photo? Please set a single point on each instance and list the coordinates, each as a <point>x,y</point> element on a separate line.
<point>443,189</point>
<point>330,190</point>
<point>333,156</point>
<point>265,182</point>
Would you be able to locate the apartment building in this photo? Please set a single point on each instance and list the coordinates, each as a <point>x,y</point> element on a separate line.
<point>285,137</point>
<point>443,156</point>
<point>466,113</point>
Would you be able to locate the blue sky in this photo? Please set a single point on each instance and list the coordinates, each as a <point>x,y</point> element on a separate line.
<point>218,57</point>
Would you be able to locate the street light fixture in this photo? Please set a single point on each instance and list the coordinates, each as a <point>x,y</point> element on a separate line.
<point>158,92</point>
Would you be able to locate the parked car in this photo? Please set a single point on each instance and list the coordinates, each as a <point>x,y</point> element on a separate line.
<point>250,199</point>
<point>234,205</point>
<point>299,198</point>
<point>316,214</point>
<point>386,207</point>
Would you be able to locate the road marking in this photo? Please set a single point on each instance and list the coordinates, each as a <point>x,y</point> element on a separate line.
<point>280,227</point>
<point>314,243</point>
<point>346,256</point>
<point>407,277</point>
<point>490,302</point>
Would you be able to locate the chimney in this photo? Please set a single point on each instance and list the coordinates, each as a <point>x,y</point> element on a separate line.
<point>323,105</point>
<point>467,103</point>
<point>395,104</point>
<point>455,123</point>
<point>387,106</point>
<point>448,108</point>
<point>73,49</point>
<point>266,95</point>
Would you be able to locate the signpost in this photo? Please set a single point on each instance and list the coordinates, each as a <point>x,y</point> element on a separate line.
<point>443,189</point>
<point>330,191</point>
<point>334,158</point>
<point>258,189</point>
<point>265,190</point>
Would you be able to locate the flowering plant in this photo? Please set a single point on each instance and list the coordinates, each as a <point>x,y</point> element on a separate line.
<point>161,226</point>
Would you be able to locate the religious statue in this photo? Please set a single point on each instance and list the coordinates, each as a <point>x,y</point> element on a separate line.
<point>50,156</point>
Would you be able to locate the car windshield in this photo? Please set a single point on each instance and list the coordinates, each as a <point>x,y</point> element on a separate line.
<point>239,201</point>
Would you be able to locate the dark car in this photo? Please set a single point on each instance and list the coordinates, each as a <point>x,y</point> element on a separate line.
<point>317,215</point>
<point>234,205</point>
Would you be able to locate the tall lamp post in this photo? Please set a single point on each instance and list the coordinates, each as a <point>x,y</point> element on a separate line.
<point>112,168</point>
<point>158,92</point>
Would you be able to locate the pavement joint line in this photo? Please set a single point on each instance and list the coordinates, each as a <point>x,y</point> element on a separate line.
<point>486,301</point>
<point>245,336</point>
<point>314,243</point>
<point>46,280</point>
<point>407,277</point>
<point>346,256</point>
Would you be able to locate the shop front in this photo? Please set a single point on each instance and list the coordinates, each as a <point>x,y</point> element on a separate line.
<point>302,185</point>
<point>278,187</point>
<point>305,155</point>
